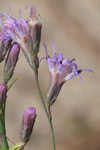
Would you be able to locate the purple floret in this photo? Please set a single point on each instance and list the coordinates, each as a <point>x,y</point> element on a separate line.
<point>63,67</point>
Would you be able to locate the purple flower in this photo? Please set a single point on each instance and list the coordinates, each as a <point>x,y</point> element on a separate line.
<point>28,123</point>
<point>11,61</point>
<point>61,69</point>
<point>25,32</point>
<point>3,93</point>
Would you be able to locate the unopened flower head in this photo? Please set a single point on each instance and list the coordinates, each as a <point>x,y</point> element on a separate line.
<point>4,47</point>
<point>11,61</point>
<point>61,69</point>
<point>3,93</point>
<point>28,123</point>
<point>35,29</point>
<point>25,32</point>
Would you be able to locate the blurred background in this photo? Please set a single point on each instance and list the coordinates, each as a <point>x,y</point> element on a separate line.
<point>74,26</point>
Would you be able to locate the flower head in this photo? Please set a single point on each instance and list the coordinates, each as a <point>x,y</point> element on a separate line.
<point>25,32</point>
<point>61,69</point>
<point>28,123</point>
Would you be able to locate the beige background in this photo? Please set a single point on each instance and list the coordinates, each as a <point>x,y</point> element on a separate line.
<point>74,26</point>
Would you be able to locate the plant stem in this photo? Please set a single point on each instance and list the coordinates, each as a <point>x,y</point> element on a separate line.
<point>46,111</point>
<point>12,83</point>
<point>4,142</point>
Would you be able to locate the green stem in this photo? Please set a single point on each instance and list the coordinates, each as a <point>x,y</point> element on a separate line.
<point>4,143</point>
<point>12,83</point>
<point>46,111</point>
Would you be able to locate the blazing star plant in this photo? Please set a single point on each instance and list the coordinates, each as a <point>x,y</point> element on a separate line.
<point>25,35</point>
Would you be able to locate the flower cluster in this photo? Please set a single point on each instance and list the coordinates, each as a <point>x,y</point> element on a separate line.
<point>26,33</point>
<point>15,35</point>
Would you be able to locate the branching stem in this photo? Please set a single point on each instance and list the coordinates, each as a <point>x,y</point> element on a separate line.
<point>46,111</point>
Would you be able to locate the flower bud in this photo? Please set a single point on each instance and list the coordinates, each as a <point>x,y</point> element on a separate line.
<point>35,37</point>
<point>35,27</point>
<point>3,93</point>
<point>11,61</point>
<point>35,33</point>
<point>28,123</point>
<point>4,47</point>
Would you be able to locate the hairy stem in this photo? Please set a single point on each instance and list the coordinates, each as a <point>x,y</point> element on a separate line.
<point>46,111</point>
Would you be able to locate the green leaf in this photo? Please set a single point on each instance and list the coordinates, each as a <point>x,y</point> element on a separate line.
<point>18,146</point>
